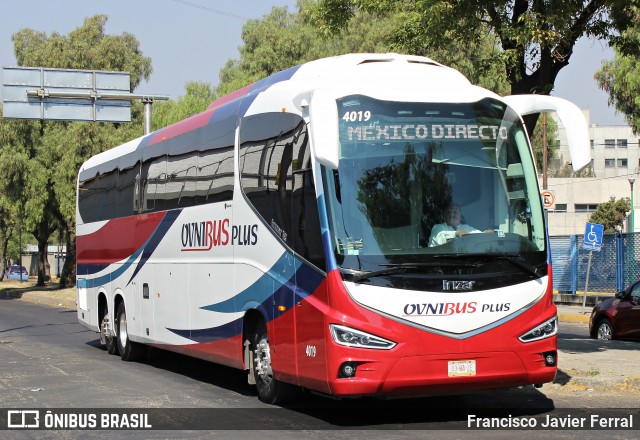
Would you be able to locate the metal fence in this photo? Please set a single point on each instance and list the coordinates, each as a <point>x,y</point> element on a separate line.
<point>612,269</point>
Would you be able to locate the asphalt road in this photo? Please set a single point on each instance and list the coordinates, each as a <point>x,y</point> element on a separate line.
<point>48,360</point>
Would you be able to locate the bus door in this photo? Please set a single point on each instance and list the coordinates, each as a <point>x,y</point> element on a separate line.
<point>310,294</point>
<point>265,262</point>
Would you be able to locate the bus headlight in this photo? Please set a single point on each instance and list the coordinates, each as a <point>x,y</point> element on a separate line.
<point>355,338</point>
<point>544,330</point>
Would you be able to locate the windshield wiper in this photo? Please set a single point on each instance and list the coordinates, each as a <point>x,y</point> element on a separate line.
<point>358,275</point>
<point>511,258</point>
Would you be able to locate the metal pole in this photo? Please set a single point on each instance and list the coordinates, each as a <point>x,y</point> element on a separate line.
<point>632,225</point>
<point>632,229</point>
<point>20,246</point>
<point>148,102</point>
<point>586,284</point>
<point>545,151</point>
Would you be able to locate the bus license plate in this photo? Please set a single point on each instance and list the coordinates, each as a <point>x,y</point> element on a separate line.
<point>462,368</point>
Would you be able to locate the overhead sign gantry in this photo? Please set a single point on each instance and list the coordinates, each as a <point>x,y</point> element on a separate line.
<point>70,95</point>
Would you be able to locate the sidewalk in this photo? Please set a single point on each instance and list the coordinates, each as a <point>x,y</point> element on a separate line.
<point>574,314</point>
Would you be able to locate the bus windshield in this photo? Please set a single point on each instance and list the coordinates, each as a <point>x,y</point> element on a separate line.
<point>425,182</point>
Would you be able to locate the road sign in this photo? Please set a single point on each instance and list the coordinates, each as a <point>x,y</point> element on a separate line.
<point>548,199</point>
<point>65,95</point>
<point>593,237</point>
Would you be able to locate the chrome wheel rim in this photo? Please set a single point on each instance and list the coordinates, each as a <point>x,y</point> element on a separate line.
<point>604,332</point>
<point>263,361</point>
<point>122,329</point>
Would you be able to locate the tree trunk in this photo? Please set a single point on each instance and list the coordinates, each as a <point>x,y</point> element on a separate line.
<point>68,275</point>
<point>42,261</point>
<point>43,231</point>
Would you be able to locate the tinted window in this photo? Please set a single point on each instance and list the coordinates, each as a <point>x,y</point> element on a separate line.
<point>215,175</point>
<point>277,180</point>
<point>153,184</point>
<point>128,188</point>
<point>88,199</point>
<point>180,186</point>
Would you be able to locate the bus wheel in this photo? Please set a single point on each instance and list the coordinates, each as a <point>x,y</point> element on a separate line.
<point>270,390</point>
<point>107,339</point>
<point>129,350</point>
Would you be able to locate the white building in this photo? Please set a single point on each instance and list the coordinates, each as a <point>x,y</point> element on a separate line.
<point>615,159</point>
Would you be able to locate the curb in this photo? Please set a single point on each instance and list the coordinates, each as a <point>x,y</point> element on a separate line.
<point>40,299</point>
<point>573,318</point>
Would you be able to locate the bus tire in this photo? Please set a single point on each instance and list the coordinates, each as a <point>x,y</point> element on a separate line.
<point>129,350</point>
<point>108,341</point>
<point>270,390</point>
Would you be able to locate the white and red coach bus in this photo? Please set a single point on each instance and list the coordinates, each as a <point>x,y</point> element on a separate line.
<point>287,231</point>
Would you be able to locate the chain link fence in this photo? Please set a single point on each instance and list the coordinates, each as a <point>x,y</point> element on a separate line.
<point>612,269</point>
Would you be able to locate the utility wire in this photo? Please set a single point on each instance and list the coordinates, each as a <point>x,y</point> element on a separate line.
<point>215,11</point>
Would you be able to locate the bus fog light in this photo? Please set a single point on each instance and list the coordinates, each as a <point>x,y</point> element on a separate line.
<point>347,369</point>
<point>355,338</point>
<point>550,358</point>
<point>542,331</point>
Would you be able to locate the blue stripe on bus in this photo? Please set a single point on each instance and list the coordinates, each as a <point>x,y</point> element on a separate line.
<point>145,250</point>
<point>150,246</point>
<point>330,258</point>
<point>281,273</point>
<point>90,269</point>
<point>210,334</point>
<point>104,279</point>
<point>261,86</point>
<point>308,281</point>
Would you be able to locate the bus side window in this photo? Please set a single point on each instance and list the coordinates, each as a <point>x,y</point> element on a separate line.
<point>215,175</point>
<point>276,178</point>
<point>154,185</point>
<point>107,194</point>
<point>307,237</point>
<point>128,188</point>
<point>88,198</point>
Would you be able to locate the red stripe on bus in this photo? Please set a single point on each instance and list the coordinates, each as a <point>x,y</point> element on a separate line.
<point>116,240</point>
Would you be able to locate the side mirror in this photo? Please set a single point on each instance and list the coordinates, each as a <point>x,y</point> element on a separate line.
<point>571,116</point>
<point>621,295</point>
<point>323,111</point>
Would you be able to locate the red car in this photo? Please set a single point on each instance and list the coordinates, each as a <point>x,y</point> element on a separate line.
<point>617,317</point>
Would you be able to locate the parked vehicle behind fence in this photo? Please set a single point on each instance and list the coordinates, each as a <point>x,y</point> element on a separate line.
<point>617,317</point>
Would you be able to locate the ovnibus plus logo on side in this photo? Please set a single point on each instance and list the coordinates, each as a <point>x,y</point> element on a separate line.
<point>205,235</point>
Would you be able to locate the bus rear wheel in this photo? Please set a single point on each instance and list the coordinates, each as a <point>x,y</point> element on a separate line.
<point>129,350</point>
<point>270,390</point>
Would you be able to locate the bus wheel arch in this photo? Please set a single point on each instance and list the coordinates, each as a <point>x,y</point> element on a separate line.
<point>258,361</point>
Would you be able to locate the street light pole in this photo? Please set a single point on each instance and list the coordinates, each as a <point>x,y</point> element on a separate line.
<point>632,225</point>
<point>632,229</point>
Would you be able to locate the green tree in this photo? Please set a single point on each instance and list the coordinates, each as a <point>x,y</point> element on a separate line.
<point>620,77</point>
<point>42,163</point>
<point>611,213</point>
<point>536,38</point>
<point>283,39</point>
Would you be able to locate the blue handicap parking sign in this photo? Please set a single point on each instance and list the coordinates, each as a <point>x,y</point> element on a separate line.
<point>593,237</point>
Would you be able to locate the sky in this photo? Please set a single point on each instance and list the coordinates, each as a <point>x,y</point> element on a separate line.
<point>191,40</point>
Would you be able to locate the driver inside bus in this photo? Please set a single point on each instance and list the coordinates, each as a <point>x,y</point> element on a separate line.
<point>452,228</point>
